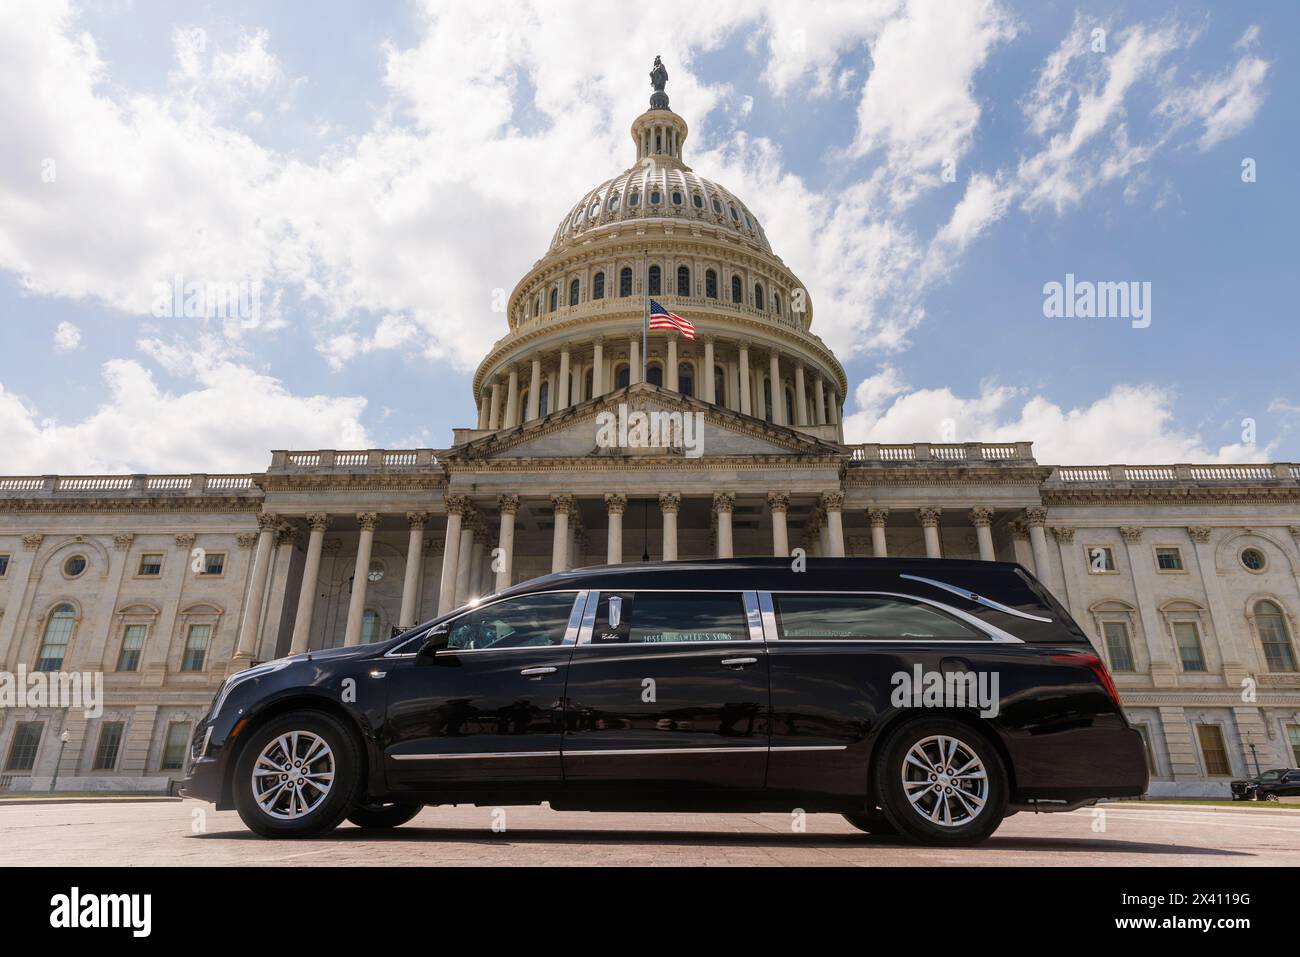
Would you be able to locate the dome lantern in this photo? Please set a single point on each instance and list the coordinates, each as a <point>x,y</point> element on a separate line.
<point>659,132</point>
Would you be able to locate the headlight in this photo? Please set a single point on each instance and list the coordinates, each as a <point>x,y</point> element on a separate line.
<point>240,678</point>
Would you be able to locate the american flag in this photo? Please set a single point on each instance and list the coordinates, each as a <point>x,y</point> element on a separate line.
<point>661,318</point>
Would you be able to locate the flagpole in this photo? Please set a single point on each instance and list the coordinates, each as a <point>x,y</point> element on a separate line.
<point>645,313</point>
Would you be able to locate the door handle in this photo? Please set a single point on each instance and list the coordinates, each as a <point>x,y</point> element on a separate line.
<point>537,672</point>
<point>738,662</point>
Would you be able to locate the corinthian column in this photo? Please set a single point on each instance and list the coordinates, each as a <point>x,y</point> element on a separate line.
<point>744,378</point>
<point>778,393</point>
<point>710,382</point>
<point>833,503</point>
<point>246,646</point>
<point>779,504</point>
<point>414,565</point>
<point>508,505</point>
<point>724,503</point>
<point>669,503</point>
<point>929,519</point>
<point>318,522</point>
<point>562,505</point>
<point>1036,519</point>
<point>360,577</point>
<point>982,519</point>
<point>597,368</point>
<point>512,402</point>
<point>456,507</point>
<point>878,517</point>
<point>615,506</point>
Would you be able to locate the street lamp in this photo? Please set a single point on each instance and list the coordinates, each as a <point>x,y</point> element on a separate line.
<point>63,743</point>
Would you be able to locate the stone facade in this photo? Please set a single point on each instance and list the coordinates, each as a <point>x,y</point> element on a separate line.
<point>1186,577</point>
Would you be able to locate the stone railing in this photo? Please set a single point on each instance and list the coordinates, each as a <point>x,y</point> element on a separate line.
<point>28,486</point>
<point>1272,473</point>
<point>690,307</point>
<point>945,453</point>
<point>336,460</point>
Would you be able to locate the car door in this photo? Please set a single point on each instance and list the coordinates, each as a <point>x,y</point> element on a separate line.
<point>488,709</point>
<point>668,694</point>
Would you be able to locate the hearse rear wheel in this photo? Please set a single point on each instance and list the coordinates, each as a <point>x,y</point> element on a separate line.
<point>383,815</point>
<point>941,783</point>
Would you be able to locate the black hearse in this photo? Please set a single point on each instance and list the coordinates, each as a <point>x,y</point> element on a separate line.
<point>927,698</point>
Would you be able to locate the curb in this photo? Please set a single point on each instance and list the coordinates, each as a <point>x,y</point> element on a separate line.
<point>1255,807</point>
<point>107,799</point>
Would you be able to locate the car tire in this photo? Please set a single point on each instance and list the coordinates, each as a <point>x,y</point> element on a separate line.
<point>383,815</point>
<point>1268,797</point>
<point>318,765</point>
<point>966,797</point>
<point>872,822</point>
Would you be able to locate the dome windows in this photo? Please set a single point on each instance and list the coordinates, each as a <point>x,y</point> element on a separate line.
<point>677,197</point>
<point>573,293</point>
<point>698,200</point>
<point>758,297</point>
<point>711,284</point>
<point>717,206</point>
<point>625,281</point>
<point>734,215</point>
<point>598,286</point>
<point>634,199</point>
<point>656,281</point>
<point>555,298</point>
<point>594,212</point>
<point>683,281</point>
<point>655,197</point>
<point>737,290</point>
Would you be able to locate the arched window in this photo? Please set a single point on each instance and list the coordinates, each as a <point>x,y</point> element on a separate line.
<point>634,199</point>
<point>767,399</point>
<point>573,293</point>
<point>655,197</point>
<point>711,284</point>
<point>686,378</point>
<point>737,290</point>
<point>1279,654</point>
<point>54,646</point>
<point>621,377</point>
<point>555,297</point>
<point>613,202</point>
<point>677,198</point>
<point>654,374</point>
<point>656,281</point>
<point>698,200</point>
<point>543,398</point>
<point>758,297</point>
<point>537,306</point>
<point>776,303</point>
<point>598,286</point>
<point>683,281</point>
<point>369,627</point>
<point>719,385</point>
<point>625,281</point>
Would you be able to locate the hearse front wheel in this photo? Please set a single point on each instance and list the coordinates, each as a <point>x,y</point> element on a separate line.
<point>297,776</point>
<point>941,783</point>
<point>383,815</point>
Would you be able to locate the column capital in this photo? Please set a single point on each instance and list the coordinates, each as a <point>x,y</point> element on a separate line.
<point>318,521</point>
<point>832,501</point>
<point>778,501</point>
<point>267,522</point>
<point>724,502</point>
<point>417,520</point>
<point>457,504</point>
<point>615,503</point>
<point>368,520</point>
<point>246,539</point>
<point>1131,533</point>
<point>1019,530</point>
<point>185,540</point>
<point>562,503</point>
<point>1036,516</point>
<point>508,504</point>
<point>928,516</point>
<point>1201,533</point>
<point>670,501</point>
<point>1064,534</point>
<point>878,517</point>
<point>120,542</point>
<point>981,516</point>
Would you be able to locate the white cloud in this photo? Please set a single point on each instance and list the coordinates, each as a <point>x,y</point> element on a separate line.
<point>1130,424</point>
<point>66,337</point>
<point>1224,105</point>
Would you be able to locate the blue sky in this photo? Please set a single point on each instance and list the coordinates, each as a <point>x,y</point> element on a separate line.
<point>381,172</point>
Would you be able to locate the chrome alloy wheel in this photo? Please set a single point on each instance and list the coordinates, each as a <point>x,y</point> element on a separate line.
<point>945,781</point>
<point>293,775</point>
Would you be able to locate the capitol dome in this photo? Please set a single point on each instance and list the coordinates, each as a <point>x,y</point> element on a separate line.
<point>659,229</point>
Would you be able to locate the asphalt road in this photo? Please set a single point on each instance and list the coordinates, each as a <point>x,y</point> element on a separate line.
<point>189,832</point>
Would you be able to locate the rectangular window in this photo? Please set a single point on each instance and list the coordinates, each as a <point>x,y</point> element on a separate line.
<point>1213,750</point>
<point>151,564</point>
<point>178,736</point>
<point>196,648</point>
<point>4,565</point>
<point>1188,637</point>
<point>1101,559</point>
<point>1169,559</point>
<point>110,739</point>
<point>1118,646</point>
<point>1293,735</point>
<point>662,617</point>
<point>132,645</point>
<point>22,750</point>
<point>214,563</point>
<point>865,617</point>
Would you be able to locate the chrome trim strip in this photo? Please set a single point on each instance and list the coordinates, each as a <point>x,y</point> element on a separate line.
<point>977,598</point>
<point>477,755</point>
<point>769,616</point>
<point>995,633</point>
<point>811,747</point>
<point>589,618</point>
<point>753,615</point>
<point>575,619</point>
<point>603,752</point>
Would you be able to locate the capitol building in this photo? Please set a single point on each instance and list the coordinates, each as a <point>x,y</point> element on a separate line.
<point>1186,576</point>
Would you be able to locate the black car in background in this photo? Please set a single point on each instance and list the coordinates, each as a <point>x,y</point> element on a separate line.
<point>1269,786</point>
<point>927,698</point>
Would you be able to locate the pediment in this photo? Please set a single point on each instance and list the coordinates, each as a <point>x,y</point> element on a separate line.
<point>641,421</point>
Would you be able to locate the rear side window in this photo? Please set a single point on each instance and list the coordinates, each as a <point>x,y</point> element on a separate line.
<point>865,617</point>
<point>669,618</point>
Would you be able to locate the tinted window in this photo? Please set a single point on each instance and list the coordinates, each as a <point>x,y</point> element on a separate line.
<point>864,616</point>
<point>524,622</point>
<point>669,617</point>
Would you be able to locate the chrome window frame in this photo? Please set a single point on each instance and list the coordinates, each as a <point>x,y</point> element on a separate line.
<point>749,603</point>
<point>571,629</point>
<point>977,598</point>
<point>994,633</point>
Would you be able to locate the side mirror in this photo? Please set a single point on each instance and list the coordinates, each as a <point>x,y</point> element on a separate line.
<point>435,642</point>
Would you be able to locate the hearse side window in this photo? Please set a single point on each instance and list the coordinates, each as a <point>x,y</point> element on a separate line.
<point>828,617</point>
<point>669,617</point>
<point>528,621</point>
